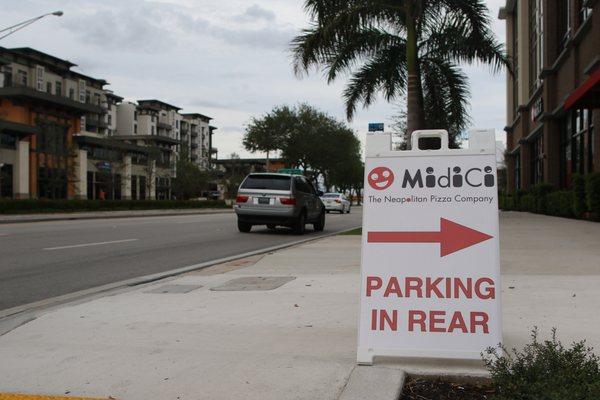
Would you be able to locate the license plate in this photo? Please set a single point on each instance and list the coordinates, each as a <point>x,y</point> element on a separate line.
<point>264,200</point>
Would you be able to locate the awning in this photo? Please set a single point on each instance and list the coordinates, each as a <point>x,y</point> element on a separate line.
<point>586,95</point>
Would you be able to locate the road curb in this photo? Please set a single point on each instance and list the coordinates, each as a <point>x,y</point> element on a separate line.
<point>75,217</point>
<point>14,317</point>
<point>374,382</point>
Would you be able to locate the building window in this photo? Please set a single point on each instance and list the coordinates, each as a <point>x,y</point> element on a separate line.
<point>152,130</point>
<point>88,97</point>
<point>6,180</point>
<point>58,88</point>
<point>135,115</point>
<point>96,99</point>
<point>517,175</point>
<point>536,44</point>
<point>584,12</point>
<point>49,87</point>
<point>577,134</point>
<point>72,94</point>
<point>563,33</point>
<point>22,77</point>
<point>134,128</point>
<point>8,141</point>
<point>515,60</point>
<point>538,159</point>
<point>591,143</point>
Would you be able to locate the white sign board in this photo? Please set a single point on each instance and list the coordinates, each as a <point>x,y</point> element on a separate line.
<point>430,264</point>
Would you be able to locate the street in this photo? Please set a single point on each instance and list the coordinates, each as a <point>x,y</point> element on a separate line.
<point>46,259</point>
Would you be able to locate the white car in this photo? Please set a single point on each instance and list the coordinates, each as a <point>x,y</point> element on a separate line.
<point>336,202</point>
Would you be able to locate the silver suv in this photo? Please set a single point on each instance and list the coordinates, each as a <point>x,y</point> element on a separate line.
<point>278,199</point>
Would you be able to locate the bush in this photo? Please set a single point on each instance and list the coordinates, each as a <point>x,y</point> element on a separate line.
<point>579,203</point>
<point>9,206</point>
<point>527,203</point>
<point>593,194</point>
<point>541,192</point>
<point>560,204</point>
<point>545,370</point>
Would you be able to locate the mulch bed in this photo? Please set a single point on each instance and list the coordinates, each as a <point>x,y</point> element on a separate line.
<point>437,389</point>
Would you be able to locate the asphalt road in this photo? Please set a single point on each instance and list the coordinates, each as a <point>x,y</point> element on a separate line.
<point>41,260</point>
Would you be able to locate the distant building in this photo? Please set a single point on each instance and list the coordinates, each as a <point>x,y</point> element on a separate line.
<point>553,91</point>
<point>63,135</point>
<point>244,166</point>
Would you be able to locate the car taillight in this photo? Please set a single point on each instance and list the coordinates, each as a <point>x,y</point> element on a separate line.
<point>241,199</point>
<point>288,201</point>
<point>338,201</point>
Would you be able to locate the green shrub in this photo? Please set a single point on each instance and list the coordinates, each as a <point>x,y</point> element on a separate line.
<point>527,203</point>
<point>545,371</point>
<point>593,194</point>
<point>579,203</point>
<point>541,192</point>
<point>9,206</point>
<point>560,204</point>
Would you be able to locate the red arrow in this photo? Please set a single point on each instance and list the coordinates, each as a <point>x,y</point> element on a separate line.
<point>452,237</point>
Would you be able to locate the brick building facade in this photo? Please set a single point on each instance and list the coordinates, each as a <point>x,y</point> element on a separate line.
<point>553,90</point>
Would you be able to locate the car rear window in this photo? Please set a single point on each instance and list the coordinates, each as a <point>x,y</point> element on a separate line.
<point>330,195</point>
<point>267,182</point>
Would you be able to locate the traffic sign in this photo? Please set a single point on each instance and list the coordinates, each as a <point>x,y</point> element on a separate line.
<point>430,274</point>
<point>376,127</point>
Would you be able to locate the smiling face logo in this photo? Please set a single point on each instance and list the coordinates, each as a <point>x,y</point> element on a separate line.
<point>381,178</point>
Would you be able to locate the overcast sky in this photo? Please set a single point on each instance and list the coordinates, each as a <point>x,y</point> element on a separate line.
<point>226,59</point>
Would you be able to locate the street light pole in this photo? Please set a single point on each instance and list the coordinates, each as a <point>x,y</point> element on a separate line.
<point>21,25</point>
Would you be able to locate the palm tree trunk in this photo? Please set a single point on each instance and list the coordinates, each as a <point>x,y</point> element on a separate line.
<point>414,104</point>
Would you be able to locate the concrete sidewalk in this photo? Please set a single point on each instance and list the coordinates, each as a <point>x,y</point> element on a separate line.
<point>15,218</point>
<point>178,339</point>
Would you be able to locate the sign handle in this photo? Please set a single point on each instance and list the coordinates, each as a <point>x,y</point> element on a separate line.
<point>442,134</point>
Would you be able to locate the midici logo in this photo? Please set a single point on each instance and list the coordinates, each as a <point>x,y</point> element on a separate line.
<point>380,178</point>
<point>455,177</point>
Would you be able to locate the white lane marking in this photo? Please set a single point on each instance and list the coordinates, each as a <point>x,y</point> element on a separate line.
<point>89,244</point>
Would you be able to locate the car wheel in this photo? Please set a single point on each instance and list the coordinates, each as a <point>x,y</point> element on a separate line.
<point>300,224</point>
<point>327,211</point>
<point>320,224</point>
<point>271,226</point>
<point>348,212</point>
<point>244,226</point>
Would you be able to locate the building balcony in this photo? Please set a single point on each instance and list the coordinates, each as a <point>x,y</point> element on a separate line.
<point>194,133</point>
<point>184,129</point>
<point>213,150</point>
<point>194,145</point>
<point>164,125</point>
<point>15,91</point>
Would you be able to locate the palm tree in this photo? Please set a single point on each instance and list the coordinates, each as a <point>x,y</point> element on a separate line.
<point>401,47</point>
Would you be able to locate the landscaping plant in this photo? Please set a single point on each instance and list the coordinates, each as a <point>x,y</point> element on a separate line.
<point>544,370</point>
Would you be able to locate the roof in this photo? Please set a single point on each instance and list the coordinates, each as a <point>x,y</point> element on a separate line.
<point>39,57</point>
<point>109,143</point>
<point>197,115</point>
<point>153,102</point>
<point>29,52</point>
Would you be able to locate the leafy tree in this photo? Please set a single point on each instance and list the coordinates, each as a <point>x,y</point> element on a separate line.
<point>266,133</point>
<point>191,181</point>
<point>401,47</point>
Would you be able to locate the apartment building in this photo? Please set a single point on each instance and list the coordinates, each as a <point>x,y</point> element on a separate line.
<point>64,135</point>
<point>553,90</point>
<point>42,106</point>
<point>195,135</point>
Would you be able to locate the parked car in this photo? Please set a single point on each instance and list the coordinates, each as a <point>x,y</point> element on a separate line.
<point>336,202</point>
<point>278,199</point>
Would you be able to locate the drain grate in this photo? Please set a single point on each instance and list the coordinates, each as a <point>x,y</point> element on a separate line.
<point>249,283</point>
<point>174,289</point>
